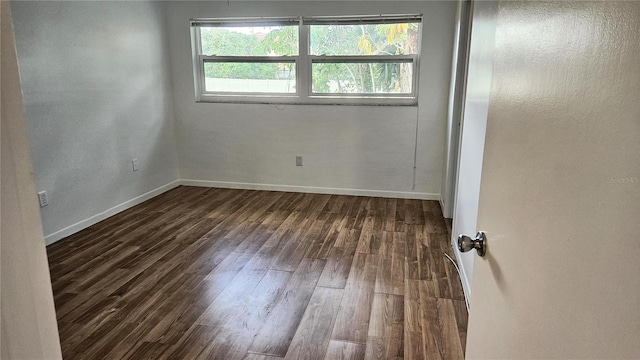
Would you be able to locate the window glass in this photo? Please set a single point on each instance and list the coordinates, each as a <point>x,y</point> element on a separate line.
<point>364,39</point>
<point>362,78</point>
<point>249,40</point>
<point>250,77</point>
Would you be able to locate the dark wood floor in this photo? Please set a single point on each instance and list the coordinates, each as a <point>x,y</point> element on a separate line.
<point>238,274</point>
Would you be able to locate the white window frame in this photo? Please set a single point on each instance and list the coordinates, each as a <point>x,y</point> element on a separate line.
<point>303,63</point>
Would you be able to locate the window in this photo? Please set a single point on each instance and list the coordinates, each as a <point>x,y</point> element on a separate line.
<point>362,60</point>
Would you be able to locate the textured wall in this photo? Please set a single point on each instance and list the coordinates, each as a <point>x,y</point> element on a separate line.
<point>349,147</point>
<point>97,95</point>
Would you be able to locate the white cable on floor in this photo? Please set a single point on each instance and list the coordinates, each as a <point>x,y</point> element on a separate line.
<point>459,275</point>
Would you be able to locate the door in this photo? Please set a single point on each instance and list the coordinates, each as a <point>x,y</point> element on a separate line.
<point>472,132</point>
<point>560,188</point>
<point>28,328</point>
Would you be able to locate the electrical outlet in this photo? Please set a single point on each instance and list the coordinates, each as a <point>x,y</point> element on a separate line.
<point>134,164</point>
<point>42,198</point>
<point>298,160</point>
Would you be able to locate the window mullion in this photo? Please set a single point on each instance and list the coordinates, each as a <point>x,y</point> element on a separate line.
<point>196,50</point>
<point>201,74</point>
<point>304,63</point>
<point>363,59</point>
<point>256,59</point>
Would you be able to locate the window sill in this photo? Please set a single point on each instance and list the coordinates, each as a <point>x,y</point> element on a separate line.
<point>319,100</point>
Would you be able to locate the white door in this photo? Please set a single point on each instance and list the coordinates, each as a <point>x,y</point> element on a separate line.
<point>560,190</point>
<point>472,133</point>
<point>28,328</point>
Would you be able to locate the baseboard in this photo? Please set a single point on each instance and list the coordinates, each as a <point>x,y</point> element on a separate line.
<point>69,230</point>
<point>311,189</point>
<point>72,229</point>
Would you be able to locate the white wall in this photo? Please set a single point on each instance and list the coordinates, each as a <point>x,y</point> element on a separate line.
<point>345,147</point>
<point>97,94</point>
<point>28,320</point>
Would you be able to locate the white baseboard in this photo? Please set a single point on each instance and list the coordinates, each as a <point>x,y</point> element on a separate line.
<point>72,229</point>
<point>312,189</point>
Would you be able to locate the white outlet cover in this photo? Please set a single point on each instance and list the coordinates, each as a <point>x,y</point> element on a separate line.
<point>42,198</point>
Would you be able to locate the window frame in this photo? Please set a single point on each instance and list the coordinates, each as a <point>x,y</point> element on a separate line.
<point>303,63</point>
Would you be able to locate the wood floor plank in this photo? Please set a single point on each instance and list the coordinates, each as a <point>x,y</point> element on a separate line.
<point>343,350</point>
<point>377,211</point>
<point>412,262</point>
<point>424,252</point>
<point>98,344</point>
<point>277,333</point>
<point>147,350</point>
<point>251,312</point>
<point>312,337</point>
<point>370,238</point>
<point>292,251</point>
<point>400,224</point>
<point>268,223</point>
<point>389,215</point>
<point>431,331</point>
<point>386,328</point>
<point>211,287</point>
<point>352,323</point>
<point>322,241</point>
<point>132,343</point>
<point>347,238</point>
<point>186,309</point>
<point>432,211</point>
<point>440,276</point>
<point>192,343</point>
<point>418,213</point>
<point>99,290</point>
<point>261,357</point>
<point>336,271</point>
<point>414,344</point>
<point>356,219</point>
<point>223,307</point>
<point>462,317</point>
<point>206,273</point>
<point>452,348</point>
<point>409,214</point>
<point>390,277</point>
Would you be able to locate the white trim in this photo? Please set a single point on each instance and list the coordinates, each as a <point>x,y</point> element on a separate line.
<point>311,189</point>
<point>362,19</point>
<point>358,59</point>
<point>81,225</point>
<point>464,278</point>
<point>241,21</point>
